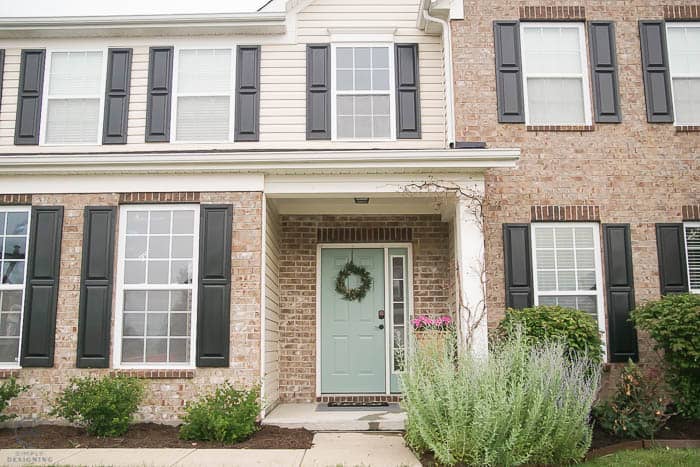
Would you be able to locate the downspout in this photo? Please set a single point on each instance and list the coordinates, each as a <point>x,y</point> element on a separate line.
<point>449,83</point>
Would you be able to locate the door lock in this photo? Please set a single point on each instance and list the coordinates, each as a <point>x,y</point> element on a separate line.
<point>380,314</point>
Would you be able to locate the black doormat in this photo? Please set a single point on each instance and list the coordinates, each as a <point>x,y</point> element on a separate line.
<point>358,404</point>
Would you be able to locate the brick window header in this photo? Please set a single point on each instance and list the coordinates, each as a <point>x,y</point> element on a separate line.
<point>682,12</point>
<point>364,235</point>
<point>15,199</point>
<point>159,197</point>
<point>576,213</point>
<point>691,212</point>
<point>553,13</point>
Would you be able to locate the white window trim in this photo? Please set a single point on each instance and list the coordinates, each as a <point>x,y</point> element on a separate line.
<point>177,95</point>
<point>600,303</point>
<point>406,321</point>
<point>391,91</point>
<point>587,111</point>
<point>687,261</point>
<point>671,74</point>
<point>45,95</point>
<point>119,288</point>
<point>22,287</point>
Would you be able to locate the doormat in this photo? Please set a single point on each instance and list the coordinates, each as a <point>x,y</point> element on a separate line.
<point>358,404</point>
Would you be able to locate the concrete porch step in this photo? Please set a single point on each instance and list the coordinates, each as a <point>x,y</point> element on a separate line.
<point>319,417</point>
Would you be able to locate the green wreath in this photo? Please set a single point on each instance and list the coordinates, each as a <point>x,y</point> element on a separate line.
<point>357,293</point>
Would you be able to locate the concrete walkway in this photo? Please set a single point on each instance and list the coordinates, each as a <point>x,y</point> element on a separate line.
<point>329,449</point>
<point>320,417</point>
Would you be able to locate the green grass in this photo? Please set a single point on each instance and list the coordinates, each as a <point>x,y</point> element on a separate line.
<point>650,457</point>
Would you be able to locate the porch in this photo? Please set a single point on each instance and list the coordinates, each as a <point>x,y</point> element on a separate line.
<point>320,417</point>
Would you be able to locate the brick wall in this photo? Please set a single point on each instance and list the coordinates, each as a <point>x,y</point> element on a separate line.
<point>634,172</point>
<point>431,289</point>
<point>167,391</point>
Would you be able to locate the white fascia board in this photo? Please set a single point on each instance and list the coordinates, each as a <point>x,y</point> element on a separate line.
<point>260,162</point>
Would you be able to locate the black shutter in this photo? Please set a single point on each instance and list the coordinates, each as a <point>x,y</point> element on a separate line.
<point>657,83</point>
<point>2,72</point>
<point>94,318</point>
<point>31,85</point>
<point>407,92</point>
<point>247,126</point>
<point>41,295</point>
<point>214,285</point>
<point>518,265</point>
<point>509,80</point>
<point>604,72</point>
<point>117,96</point>
<point>619,275</point>
<point>670,246</point>
<point>318,91</point>
<point>160,82</point>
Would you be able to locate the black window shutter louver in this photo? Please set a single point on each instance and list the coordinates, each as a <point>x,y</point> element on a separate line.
<point>214,286</point>
<point>2,72</point>
<point>318,91</point>
<point>117,96</point>
<point>247,126</point>
<point>670,247</point>
<point>604,72</point>
<point>407,92</point>
<point>509,80</point>
<point>619,275</point>
<point>41,294</point>
<point>518,265</point>
<point>96,281</point>
<point>160,82</point>
<point>657,82</point>
<point>31,85</point>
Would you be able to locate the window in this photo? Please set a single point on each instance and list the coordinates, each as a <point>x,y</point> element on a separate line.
<point>555,74</point>
<point>684,64</point>
<point>363,93</point>
<point>156,286</point>
<point>398,308</point>
<point>203,109</point>
<point>692,247</point>
<point>567,267</point>
<point>74,97</point>
<point>14,235</point>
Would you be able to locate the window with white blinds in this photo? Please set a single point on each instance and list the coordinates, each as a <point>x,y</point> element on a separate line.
<point>555,74</point>
<point>692,247</point>
<point>74,96</point>
<point>684,62</point>
<point>204,95</point>
<point>567,267</point>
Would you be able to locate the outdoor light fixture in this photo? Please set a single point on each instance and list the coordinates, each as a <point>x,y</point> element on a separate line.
<point>361,200</point>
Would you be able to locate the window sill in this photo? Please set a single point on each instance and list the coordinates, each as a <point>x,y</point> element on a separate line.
<point>7,373</point>
<point>688,129</point>
<point>561,128</point>
<point>155,374</point>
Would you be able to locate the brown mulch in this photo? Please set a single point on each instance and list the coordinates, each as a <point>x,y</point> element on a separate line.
<point>145,435</point>
<point>676,428</point>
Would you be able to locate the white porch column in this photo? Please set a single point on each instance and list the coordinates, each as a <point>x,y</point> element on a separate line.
<point>471,276</point>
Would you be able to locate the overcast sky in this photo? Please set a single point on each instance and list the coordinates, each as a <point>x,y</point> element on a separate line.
<point>22,8</point>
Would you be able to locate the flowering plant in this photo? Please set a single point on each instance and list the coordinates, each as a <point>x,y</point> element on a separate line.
<point>426,323</point>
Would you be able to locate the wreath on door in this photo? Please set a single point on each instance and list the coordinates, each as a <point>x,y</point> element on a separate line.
<point>353,293</point>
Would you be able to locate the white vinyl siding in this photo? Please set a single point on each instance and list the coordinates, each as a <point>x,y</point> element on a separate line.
<point>74,89</point>
<point>157,286</point>
<point>204,95</point>
<point>555,74</point>
<point>692,249</point>
<point>14,242</point>
<point>684,65</point>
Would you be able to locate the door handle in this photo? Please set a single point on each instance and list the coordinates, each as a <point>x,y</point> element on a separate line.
<point>381,326</point>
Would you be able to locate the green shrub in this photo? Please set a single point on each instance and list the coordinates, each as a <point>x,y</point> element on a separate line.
<point>673,322</point>
<point>523,404</point>
<point>637,410</point>
<point>575,329</point>
<point>104,406</point>
<point>227,416</point>
<point>9,390</point>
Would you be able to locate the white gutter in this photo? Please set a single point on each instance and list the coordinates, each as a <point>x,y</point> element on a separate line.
<point>449,82</point>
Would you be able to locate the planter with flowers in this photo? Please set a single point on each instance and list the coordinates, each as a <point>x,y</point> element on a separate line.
<point>432,331</point>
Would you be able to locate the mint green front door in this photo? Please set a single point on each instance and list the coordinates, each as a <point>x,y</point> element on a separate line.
<point>353,350</point>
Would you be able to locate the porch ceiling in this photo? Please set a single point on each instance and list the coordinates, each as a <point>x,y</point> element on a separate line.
<point>346,205</point>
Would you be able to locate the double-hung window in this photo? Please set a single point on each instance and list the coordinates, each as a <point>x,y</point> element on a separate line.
<point>14,239</point>
<point>74,103</point>
<point>204,95</point>
<point>555,74</point>
<point>363,92</point>
<point>684,63</point>
<point>567,267</point>
<point>692,250</point>
<point>157,286</point>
